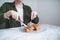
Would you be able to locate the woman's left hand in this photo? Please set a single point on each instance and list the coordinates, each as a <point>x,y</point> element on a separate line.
<point>33,15</point>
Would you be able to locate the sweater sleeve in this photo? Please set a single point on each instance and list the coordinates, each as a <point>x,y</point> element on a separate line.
<point>36,20</point>
<point>2,11</point>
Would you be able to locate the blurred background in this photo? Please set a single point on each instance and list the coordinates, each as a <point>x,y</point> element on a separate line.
<point>48,10</point>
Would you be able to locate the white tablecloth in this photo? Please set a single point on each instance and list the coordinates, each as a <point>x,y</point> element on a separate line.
<point>47,32</point>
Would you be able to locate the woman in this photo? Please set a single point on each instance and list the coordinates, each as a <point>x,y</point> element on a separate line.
<point>12,14</point>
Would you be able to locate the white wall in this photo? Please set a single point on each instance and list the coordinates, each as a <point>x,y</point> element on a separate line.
<point>48,10</point>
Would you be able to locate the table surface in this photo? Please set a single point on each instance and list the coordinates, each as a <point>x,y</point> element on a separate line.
<point>47,32</point>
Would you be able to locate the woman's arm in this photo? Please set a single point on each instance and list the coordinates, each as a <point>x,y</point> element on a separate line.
<point>2,11</point>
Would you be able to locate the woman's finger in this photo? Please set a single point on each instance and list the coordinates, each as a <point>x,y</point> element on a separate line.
<point>16,17</point>
<point>32,16</point>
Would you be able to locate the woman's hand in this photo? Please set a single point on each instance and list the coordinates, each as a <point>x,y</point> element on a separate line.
<point>15,15</point>
<point>33,15</point>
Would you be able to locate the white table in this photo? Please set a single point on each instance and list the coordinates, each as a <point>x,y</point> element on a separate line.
<point>47,32</point>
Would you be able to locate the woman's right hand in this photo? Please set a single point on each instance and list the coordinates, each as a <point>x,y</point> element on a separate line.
<point>15,15</point>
